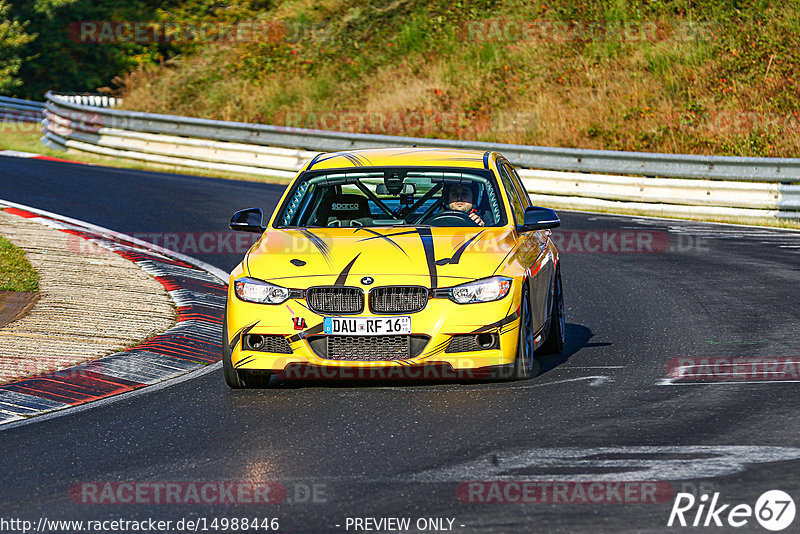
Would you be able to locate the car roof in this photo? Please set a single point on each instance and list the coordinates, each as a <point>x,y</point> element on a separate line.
<point>402,157</point>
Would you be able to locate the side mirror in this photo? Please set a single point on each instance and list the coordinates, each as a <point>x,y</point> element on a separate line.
<point>539,219</point>
<point>248,220</point>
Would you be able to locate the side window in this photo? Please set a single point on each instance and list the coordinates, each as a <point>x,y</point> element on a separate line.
<point>523,194</point>
<point>513,196</point>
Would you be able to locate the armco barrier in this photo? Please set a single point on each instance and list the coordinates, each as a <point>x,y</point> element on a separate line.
<point>564,159</point>
<point>16,109</point>
<point>670,184</point>
<point>712,193</point>
<point>101,101</point>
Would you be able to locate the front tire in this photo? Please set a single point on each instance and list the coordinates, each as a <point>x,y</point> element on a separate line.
<point>525,364</point>
<point>234,378</point>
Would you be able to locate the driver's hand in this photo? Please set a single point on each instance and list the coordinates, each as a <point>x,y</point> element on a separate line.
<point>478,220</point>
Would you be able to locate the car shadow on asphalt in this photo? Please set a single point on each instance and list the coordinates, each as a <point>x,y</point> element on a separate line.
<point>577,337</point>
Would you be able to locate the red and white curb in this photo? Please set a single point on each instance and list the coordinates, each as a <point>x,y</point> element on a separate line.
<point>31,155</point>
<point>199,292</point>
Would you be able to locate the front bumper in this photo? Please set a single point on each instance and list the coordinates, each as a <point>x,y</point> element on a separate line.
<point>441,319</point>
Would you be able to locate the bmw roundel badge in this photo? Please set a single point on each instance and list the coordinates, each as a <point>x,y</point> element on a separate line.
<point>367,280</point>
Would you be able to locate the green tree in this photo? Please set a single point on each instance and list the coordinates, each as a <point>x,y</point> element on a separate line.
<point>56,60</point>
<point>40,50</point>
<point>13,40</point>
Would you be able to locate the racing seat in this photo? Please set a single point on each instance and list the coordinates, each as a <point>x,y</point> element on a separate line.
<point>344,210</point>
<point>484,208</point>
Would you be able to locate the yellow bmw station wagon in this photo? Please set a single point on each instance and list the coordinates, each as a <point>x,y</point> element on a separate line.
<point>396,263</point>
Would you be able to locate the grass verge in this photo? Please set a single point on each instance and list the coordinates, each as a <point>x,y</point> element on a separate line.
<point>702,76</point>
<point>16,273</point>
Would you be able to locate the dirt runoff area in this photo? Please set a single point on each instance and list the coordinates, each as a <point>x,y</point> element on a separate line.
<point>89,304</point>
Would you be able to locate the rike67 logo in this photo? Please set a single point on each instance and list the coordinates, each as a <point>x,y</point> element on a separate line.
<point>774,510</point>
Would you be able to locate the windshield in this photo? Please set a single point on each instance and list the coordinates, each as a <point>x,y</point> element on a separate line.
<point>393,197</point>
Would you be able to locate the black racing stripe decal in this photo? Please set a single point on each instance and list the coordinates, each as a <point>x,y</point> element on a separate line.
<point>325,157</point>
<point>438,348</point>
<point>319,243</point>
<point>379,235</point>
<point>507,329</point>
<point>352,159</point>
<point>245,361</point>
<point>313,161</point>
<point>415,151</point>
<point>502,322</point>
<point>457,256</point>
<point>365,158</point>
<point>316,329</point>
<point>427,244</point>
<point>504,260</point>
<point>404,232</point>
<point>342,278</point>
<point>240,333</point>
<point>356,159</point>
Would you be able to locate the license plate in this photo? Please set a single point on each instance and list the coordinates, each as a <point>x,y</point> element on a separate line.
<point>367,326</point>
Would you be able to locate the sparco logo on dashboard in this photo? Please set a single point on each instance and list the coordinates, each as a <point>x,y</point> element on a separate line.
<point>774,510</point>
<point>338,206</point>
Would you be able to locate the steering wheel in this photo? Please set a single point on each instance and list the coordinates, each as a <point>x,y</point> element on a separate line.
<point>450,218</point>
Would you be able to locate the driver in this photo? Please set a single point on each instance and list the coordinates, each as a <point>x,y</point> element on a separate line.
<point>460,198</point>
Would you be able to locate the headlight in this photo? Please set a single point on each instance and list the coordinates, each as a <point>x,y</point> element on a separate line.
<point>486,290</point>
<point>254,290</point>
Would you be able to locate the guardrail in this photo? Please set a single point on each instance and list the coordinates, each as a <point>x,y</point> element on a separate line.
<point>21,110</point>
<point>671,197</point>
<point>670,184</point>
<point>100,101</point>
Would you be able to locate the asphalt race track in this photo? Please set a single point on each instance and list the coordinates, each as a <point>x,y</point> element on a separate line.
<point>640,293</point>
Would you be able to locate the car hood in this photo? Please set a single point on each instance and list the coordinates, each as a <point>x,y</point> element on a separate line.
<point>433,257</point>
